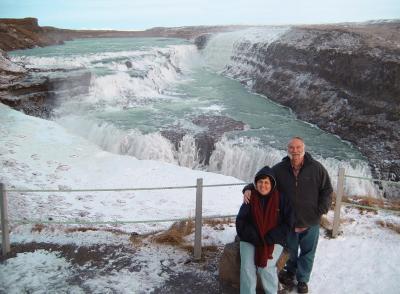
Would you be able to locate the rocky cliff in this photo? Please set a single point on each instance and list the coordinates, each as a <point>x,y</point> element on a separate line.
<point>35,94</point>
<point>343,78</point>
<point>25,33</point>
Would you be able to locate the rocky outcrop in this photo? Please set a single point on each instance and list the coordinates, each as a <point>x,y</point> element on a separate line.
<point>345,79</point>
<point>9,71</point>
<point>8,68</point>
<point>25,33</point>
<point>20,88</point>
<point>212,129</point>
<point>32,98</point>
<point>36,94</point>
<point>202,40</point>
<point>229,265</point>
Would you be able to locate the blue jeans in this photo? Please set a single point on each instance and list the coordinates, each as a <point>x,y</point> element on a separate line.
<point>301,263</point>
<point>248,270</point>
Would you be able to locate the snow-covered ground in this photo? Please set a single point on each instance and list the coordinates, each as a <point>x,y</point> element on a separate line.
<point>39,154</point>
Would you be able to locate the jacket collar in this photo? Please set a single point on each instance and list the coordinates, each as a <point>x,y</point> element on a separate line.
<point>307,159</point>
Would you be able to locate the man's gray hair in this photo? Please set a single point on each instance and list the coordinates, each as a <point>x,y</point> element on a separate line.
<point>297,138</point>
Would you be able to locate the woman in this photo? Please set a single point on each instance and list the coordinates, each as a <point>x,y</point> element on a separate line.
<point>262,226</point>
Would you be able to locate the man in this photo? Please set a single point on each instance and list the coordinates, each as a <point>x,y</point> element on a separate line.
<point>306,182</point>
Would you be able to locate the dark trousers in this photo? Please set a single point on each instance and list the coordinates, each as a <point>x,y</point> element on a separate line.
<point>302,247</point>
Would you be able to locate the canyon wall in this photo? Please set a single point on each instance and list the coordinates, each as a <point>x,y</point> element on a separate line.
<point>343,78</point>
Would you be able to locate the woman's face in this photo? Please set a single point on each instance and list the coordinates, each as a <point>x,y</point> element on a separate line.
<point>263,186</point>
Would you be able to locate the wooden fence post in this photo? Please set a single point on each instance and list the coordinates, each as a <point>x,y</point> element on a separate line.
<point>339,195</point>
<point>198,219</point>
<point>5,233</point>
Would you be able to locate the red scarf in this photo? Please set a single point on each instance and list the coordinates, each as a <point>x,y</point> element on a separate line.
<point>265,218</point>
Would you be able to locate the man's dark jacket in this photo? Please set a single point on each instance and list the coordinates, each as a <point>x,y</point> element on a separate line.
<point>310,193</point>
<point>246,227</point>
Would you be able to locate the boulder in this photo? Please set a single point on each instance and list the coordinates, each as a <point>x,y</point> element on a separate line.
<point>9,67</point>
<point>37,95</point>
<point>128,64</point>
<point>213,128</point>
<point>229,265</point>
<point>202,40</point>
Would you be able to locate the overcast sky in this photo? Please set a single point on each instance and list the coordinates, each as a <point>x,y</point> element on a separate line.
<point>134,14</point>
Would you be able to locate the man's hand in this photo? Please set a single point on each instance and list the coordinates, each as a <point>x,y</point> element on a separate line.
<point>300,230</point>
<point>246,196</point>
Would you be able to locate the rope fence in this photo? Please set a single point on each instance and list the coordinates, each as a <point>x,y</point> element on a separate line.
<point>340,193</point>
<point>198,217</point>
<point>373,180</point>
<point>370,207</point>
<point>78,222</point>
<point>120,189</point>
<point>198,214</point>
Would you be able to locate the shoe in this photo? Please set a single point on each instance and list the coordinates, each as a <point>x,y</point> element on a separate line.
<point>286,279</point>
<point>302,287</point>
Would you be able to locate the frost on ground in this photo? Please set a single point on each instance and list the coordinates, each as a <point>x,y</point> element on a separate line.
<point>363,259</point>
<point>122,267</point>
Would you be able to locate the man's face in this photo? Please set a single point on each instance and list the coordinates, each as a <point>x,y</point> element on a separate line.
<point>264,186</point>
<point>296,150</point>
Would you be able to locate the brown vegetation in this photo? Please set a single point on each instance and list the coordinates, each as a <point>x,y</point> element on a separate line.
<point>325,223</point>
<point>85,229</point>
<point>392,226</point>
<point>372,204</point>
<point>37,228</point>
<point>175,234</point>
<point>218,223</point>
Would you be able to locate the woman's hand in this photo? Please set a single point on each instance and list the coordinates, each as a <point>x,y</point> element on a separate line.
<point>246,196</point>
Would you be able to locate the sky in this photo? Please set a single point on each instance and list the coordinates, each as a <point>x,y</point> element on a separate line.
<point>138,15</point>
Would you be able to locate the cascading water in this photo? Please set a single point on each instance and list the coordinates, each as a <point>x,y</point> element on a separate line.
<point>162,99</point>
